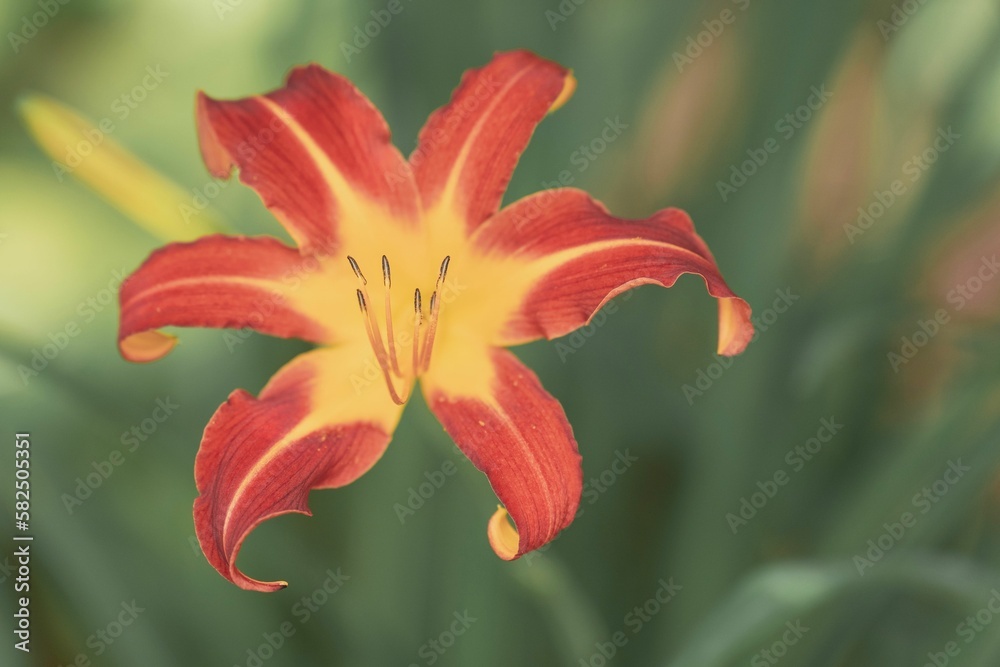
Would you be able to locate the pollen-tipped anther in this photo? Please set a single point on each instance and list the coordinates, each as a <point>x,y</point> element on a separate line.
<point>372,329</point>
<point>390,339</point>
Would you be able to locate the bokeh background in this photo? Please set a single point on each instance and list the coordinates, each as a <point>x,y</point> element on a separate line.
<point>816,501</point>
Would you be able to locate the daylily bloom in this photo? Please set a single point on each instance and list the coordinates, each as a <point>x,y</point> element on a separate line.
<point>402,270</point>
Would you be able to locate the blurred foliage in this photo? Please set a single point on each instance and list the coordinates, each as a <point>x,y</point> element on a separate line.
<point>704,88</point>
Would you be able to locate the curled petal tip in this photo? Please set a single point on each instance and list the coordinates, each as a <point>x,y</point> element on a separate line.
<point>736,329</point>
<point>569,87</point>
<point>503,536</point>
<point>260,457</point>
<point>146,346</point>
<point>248,584</point>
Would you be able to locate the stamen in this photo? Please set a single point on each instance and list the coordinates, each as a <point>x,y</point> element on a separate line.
<point>418,317</point>
<point>386,354</point>
<point>357,270</point>
<point>365,299</point>
<point>444,269</point>
<point>390,340</point>
<point>371,327</point>
<point>434,311</point>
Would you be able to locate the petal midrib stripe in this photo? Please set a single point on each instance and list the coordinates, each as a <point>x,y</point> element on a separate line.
<point>343,194</point>
<point>447,194</point>
<point>262,283</point>
<point>298,432</point>
<point>541,265</point>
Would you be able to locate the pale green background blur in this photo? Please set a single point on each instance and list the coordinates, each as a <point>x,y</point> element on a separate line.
<point>862,286</point>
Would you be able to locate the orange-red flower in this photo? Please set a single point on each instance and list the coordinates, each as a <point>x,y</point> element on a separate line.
<point>407,268</point>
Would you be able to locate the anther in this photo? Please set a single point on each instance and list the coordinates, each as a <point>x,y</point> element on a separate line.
<point>444,269</point>
<point>423,341</point>
<point>390,339</point>
<point>374,335</point>
<point>418,317</point>
<point>433,313</point>
<point>357,270</point>
<point>435,307</point>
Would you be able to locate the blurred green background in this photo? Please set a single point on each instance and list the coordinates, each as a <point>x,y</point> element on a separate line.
<point>830,497</point>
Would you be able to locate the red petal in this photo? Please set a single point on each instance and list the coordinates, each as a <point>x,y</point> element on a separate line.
<point>316,151</point>
<point>216,281</point>
<point>517,434</point>
<point>259,457</point>
<point>582,256</point>
<point>468,149</point>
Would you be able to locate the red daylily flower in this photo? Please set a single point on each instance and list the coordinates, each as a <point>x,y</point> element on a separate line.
<point>460,281</point>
